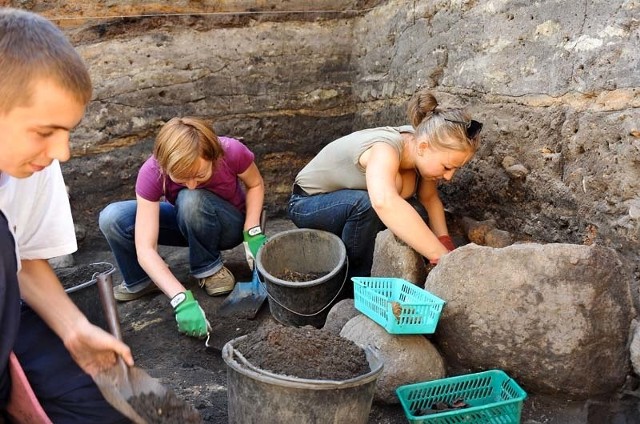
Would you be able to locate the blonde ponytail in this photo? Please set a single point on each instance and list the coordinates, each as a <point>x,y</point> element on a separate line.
<point>441,128</point>
<point>421,106</point>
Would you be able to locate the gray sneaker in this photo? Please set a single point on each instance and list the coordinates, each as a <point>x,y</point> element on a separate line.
<point>222,282</point>
<point>122,293</point>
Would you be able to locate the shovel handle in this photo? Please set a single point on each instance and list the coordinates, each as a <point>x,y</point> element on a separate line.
<point>105,289</point>
<point>263,219</point>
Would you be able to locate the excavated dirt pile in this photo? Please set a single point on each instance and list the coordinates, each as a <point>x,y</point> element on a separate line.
<point>304,352</point>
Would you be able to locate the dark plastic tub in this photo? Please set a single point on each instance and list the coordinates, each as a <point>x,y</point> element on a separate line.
<point>259,396</point>
<point>80,283</point>
<point>303,251</point>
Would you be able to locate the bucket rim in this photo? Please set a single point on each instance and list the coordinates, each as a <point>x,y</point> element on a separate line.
<point>373,357</point>
<point>310,283</point>
<point>93,280</point>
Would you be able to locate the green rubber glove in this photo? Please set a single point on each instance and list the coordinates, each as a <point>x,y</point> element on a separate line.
<point>189,315</point>
<point>253,241</point>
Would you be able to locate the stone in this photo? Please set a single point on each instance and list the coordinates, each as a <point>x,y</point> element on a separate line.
<point>498,238</point>
<point>508,161</point>
<point>634,348</point>
<point>634,209</point>
<point>477,230</point>
<point>394,258</point>
<point>554,316</point>
<point>517,171</point>
<point>407,359</point>
<point>339,315</point>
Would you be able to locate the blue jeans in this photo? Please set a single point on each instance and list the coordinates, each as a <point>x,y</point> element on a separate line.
<point>349,215</point>
<point>67,394</point>
<point>200,220</point>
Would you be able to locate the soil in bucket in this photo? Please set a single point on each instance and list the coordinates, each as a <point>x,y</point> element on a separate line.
<point>290,375</point>
<point>298,277</point>
<point>304,352</point>
<point>80,284</point>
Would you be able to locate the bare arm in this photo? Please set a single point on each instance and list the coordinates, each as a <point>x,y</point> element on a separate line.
<point>429,198</point>
<point>396,213</point>
<point>254,184</point>
<point>146,234</point>
<point>92,348</point>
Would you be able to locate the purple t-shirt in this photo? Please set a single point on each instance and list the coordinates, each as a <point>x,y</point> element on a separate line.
<point>224,182</point>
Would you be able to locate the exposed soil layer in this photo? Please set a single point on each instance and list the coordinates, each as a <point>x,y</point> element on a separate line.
<point>167,409</point>
<point>304,352</point>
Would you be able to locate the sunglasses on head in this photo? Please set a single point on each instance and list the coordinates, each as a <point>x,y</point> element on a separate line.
<point>472,128</point>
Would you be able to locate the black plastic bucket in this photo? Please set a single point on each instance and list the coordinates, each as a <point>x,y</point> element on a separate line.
<point>259,396</point>
<point>303,251</point>
<point>80,283</point>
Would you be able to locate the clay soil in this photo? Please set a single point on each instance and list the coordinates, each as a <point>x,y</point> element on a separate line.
<point>198,375</point>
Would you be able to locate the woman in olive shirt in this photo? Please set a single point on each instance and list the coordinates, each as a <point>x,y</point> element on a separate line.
<point>380,177</point>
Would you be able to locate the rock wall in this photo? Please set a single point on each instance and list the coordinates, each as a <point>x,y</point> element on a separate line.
<point>279,76</point>
<point>278,85</point>
<point>555,83</point>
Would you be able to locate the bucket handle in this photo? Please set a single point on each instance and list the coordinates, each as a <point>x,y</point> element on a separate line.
<point>107,272</point>
<point>370,352</point>
<point>346,273</point>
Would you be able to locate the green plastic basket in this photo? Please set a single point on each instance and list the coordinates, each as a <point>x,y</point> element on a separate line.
<point>493,398</point>
<point>399,306</point>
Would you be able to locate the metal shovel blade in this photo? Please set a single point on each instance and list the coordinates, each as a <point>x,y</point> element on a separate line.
<point>120,383</point>
<point>115,386</point>
<point>245,300</point>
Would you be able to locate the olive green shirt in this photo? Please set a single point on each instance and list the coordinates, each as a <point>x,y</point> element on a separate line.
<point>337,166</point>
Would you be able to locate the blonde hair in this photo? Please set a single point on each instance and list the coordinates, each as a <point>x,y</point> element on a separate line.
<point>436,125</point>
<point>33,49</point>
<point>181,142</point>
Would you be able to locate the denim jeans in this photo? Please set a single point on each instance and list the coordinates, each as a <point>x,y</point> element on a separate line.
<point>349,215</point>
<point>200,220</point>
<point>67,394</point>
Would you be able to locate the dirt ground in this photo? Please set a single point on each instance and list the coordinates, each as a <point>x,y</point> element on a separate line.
<point>198,374</point>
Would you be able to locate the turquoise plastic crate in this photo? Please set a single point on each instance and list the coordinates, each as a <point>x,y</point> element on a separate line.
<point>493,398</point>
<point>375,297</point>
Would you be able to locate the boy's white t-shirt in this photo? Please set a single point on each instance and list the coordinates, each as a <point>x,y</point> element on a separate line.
<point>39,213</point>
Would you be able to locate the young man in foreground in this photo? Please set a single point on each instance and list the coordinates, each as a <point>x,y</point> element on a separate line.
<point>44,89</point>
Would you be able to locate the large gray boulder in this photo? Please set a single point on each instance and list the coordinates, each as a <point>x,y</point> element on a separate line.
<point>554,316</point>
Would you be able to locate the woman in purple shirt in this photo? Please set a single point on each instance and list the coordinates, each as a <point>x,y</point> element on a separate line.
<point>197,190</point>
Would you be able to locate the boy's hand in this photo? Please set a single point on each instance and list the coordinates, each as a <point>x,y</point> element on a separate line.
<point>95,350</point>
<point>189,315</point>
<point>254,238</point>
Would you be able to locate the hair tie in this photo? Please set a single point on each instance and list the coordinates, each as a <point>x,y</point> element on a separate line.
<point>427,115</point>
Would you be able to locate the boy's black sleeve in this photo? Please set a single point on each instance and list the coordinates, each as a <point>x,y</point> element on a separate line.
<point>9,305</point>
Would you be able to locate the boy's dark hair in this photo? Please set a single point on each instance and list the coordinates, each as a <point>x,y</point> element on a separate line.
<point>33,49</point>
